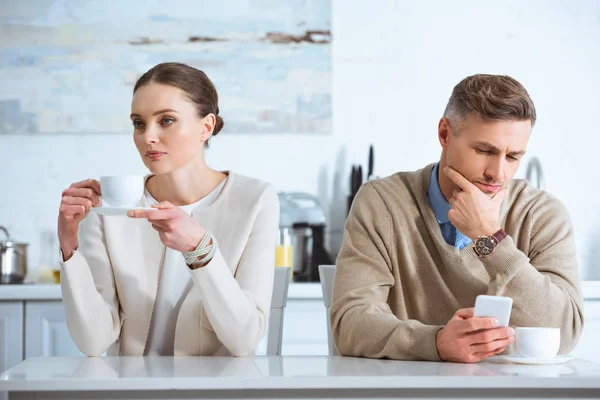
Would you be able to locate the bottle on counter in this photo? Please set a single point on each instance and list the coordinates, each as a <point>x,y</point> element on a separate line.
<point>284,252</point>
<point>49,266</point>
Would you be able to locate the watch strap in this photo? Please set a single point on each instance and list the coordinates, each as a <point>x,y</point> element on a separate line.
<point>499,236</point>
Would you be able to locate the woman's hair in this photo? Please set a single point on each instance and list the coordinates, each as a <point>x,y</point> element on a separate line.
<point>493,97</point>
<point>196,85</point>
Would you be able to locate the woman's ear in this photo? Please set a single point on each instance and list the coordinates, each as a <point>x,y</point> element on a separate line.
<point>208,125</point>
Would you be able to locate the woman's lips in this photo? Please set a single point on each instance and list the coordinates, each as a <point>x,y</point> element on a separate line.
<point>155,155</point>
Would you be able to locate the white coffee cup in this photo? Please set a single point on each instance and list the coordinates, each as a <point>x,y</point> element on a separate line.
<point>537,342</point>
<point>122,190</point>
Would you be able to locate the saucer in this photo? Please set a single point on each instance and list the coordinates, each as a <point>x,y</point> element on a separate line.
<point>529,360</point>
<point>110,211</point>
<point>547,371</point>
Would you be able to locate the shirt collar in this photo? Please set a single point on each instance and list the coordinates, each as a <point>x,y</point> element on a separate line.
<point>436,198</point>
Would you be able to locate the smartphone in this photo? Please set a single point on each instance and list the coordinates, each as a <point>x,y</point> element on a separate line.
<point>498,307</point>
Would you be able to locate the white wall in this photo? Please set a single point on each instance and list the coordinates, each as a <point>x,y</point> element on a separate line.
<point>395,64</point>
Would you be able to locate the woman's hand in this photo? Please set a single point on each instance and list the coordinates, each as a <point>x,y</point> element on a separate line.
<point>177,230</point>
<point>76,202</point>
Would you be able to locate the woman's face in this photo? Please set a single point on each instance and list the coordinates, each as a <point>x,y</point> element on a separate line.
<point>166,128</point>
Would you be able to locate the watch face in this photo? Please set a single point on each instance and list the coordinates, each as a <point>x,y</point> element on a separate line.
<point>484,246</point>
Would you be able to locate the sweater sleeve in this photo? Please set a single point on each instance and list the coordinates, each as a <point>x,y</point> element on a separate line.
<point>545,286</point>
<point>238,305</point>
<point>361,319</point>
<point>88,291</point>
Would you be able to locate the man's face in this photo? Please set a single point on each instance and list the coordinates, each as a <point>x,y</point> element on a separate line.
<point>487,153</point>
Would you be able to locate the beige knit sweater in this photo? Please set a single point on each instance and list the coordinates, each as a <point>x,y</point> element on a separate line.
<point>398,282</point>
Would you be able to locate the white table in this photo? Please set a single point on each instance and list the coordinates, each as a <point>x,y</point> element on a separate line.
<point>291,377</point>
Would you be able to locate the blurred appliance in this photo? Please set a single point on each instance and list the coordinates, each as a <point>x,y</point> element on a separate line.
<point>13,259</point>
<point>304,217</point>
<point>534,170</point>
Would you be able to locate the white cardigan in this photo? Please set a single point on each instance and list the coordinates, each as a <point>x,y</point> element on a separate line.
<point>109,285</point>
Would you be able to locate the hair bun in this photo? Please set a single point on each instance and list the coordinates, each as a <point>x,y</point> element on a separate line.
<point>218,125</point>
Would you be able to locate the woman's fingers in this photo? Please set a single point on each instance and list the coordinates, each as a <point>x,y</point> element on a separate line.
<point>70,211</point>
<point>78,201</point>
<point>84,193</point>
<point>89,183</point>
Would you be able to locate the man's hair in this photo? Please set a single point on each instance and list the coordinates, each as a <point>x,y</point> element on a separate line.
<point>492,97</point>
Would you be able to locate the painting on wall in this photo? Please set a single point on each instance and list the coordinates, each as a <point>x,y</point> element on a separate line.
<point>70,66</point>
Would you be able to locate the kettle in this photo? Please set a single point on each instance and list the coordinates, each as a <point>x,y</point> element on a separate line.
<point>309,251</point>
<point>13,259</point>
<point>302,215</point>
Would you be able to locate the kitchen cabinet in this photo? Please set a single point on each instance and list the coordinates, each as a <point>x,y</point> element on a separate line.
<point>305,328</point>
<point>38,314</point>
<point>11,334</point>
<point>46,332</point>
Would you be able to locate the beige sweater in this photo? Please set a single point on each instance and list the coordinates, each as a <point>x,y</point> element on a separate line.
<point>398,282</point>
<point>109,285</point>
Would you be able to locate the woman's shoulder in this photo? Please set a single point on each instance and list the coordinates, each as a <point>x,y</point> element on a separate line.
<point>251,189</point>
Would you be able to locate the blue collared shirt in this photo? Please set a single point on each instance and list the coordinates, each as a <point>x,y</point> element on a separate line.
<point>440,208</point>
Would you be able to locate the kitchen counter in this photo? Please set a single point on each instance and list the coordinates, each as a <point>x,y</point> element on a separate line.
<point>287,376</point>
<point>300,291</point>
<point>30,292</point>
<point>52,291</point>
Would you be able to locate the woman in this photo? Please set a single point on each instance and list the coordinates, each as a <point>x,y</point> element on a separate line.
<point>193,276</point>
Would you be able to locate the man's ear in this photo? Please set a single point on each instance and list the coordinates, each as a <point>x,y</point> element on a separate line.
<point>444,132</point>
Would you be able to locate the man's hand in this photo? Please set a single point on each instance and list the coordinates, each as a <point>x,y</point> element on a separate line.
<point>473,213</point>
<point>468,339</point>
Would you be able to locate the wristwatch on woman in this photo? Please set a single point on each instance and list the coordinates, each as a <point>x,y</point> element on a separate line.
<point>485,245</point>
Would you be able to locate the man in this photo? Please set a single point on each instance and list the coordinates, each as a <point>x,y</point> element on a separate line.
<point>420,246</point>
